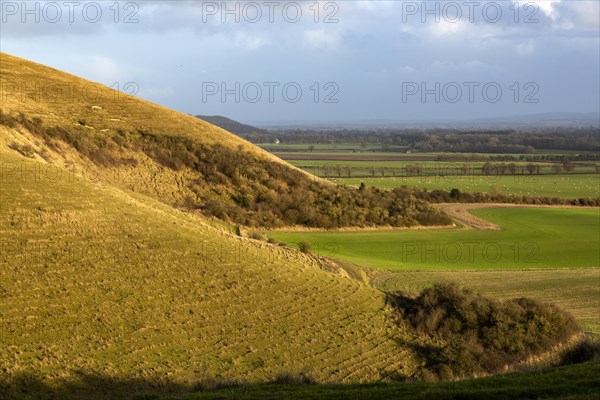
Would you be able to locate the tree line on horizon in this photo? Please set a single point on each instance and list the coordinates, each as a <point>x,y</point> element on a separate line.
<point>443,140</point>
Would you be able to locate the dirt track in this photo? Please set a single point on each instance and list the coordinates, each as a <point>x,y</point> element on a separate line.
<point>459,212</point>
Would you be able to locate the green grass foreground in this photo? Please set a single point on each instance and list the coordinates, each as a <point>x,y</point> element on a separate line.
<point>572,382</point>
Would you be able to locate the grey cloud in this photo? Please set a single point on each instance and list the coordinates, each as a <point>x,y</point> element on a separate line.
<point>369,53</point>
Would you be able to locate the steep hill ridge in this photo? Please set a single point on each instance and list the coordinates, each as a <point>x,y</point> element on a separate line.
<point>61,98</point>
<point>177,158</point>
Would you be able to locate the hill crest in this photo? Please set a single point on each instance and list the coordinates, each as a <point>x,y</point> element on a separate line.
<point>179,159</point>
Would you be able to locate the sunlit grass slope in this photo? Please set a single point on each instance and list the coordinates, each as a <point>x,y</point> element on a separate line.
<point>95,280</point>
<point>60,98</point>
<point>127,142</point>
<point>95,111</point>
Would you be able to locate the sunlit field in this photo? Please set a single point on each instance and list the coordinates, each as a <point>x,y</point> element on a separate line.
<point>564,186</point>
<point>531,238</point>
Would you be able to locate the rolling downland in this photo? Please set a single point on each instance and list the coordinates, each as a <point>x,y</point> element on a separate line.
<point>121,272</point>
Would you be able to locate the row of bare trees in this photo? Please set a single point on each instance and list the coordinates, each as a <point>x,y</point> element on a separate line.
<point>495,169</point>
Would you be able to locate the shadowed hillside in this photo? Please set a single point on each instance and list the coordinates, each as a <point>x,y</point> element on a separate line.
<point>230,125</point>
<point>570,382</point>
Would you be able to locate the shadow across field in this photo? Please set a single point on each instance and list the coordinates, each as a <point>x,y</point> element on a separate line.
<point>578,381</point>
<point>88,386</point>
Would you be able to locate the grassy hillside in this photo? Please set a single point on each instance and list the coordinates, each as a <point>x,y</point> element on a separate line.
<point>177,158</point>
<point>99,281</point>
<point>100,277</point>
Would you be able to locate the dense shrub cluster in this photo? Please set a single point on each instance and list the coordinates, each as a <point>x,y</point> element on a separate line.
<point>471,334</point>
<point>234,185</point>
<point>291,378</point>
<point>99,149</point>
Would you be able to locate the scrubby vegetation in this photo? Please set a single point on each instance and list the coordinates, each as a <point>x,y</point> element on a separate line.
<point>574,290</point>
<point>305,247</point>
<point>231,185</point>
<point>25,150</point>
<point>291,378</point>
<point>456,196</point>
<point>470,334</point>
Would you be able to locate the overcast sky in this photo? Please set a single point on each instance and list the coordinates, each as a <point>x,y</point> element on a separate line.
<point>351,60</point>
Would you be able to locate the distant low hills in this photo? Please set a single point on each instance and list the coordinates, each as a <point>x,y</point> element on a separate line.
<point>230,125</point>
<point>526,121</point>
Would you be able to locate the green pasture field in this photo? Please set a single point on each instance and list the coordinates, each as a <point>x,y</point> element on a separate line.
<point>531,238</point>
<point>415,169</point>
<point>357,155</point>
<point>439,168</point>
<point>451,166</point>
<point>351,147</point>
<point>548,254</point>
<point>563,186</point>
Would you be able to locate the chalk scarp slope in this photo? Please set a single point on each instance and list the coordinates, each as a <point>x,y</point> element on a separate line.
<point>101,281</point>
